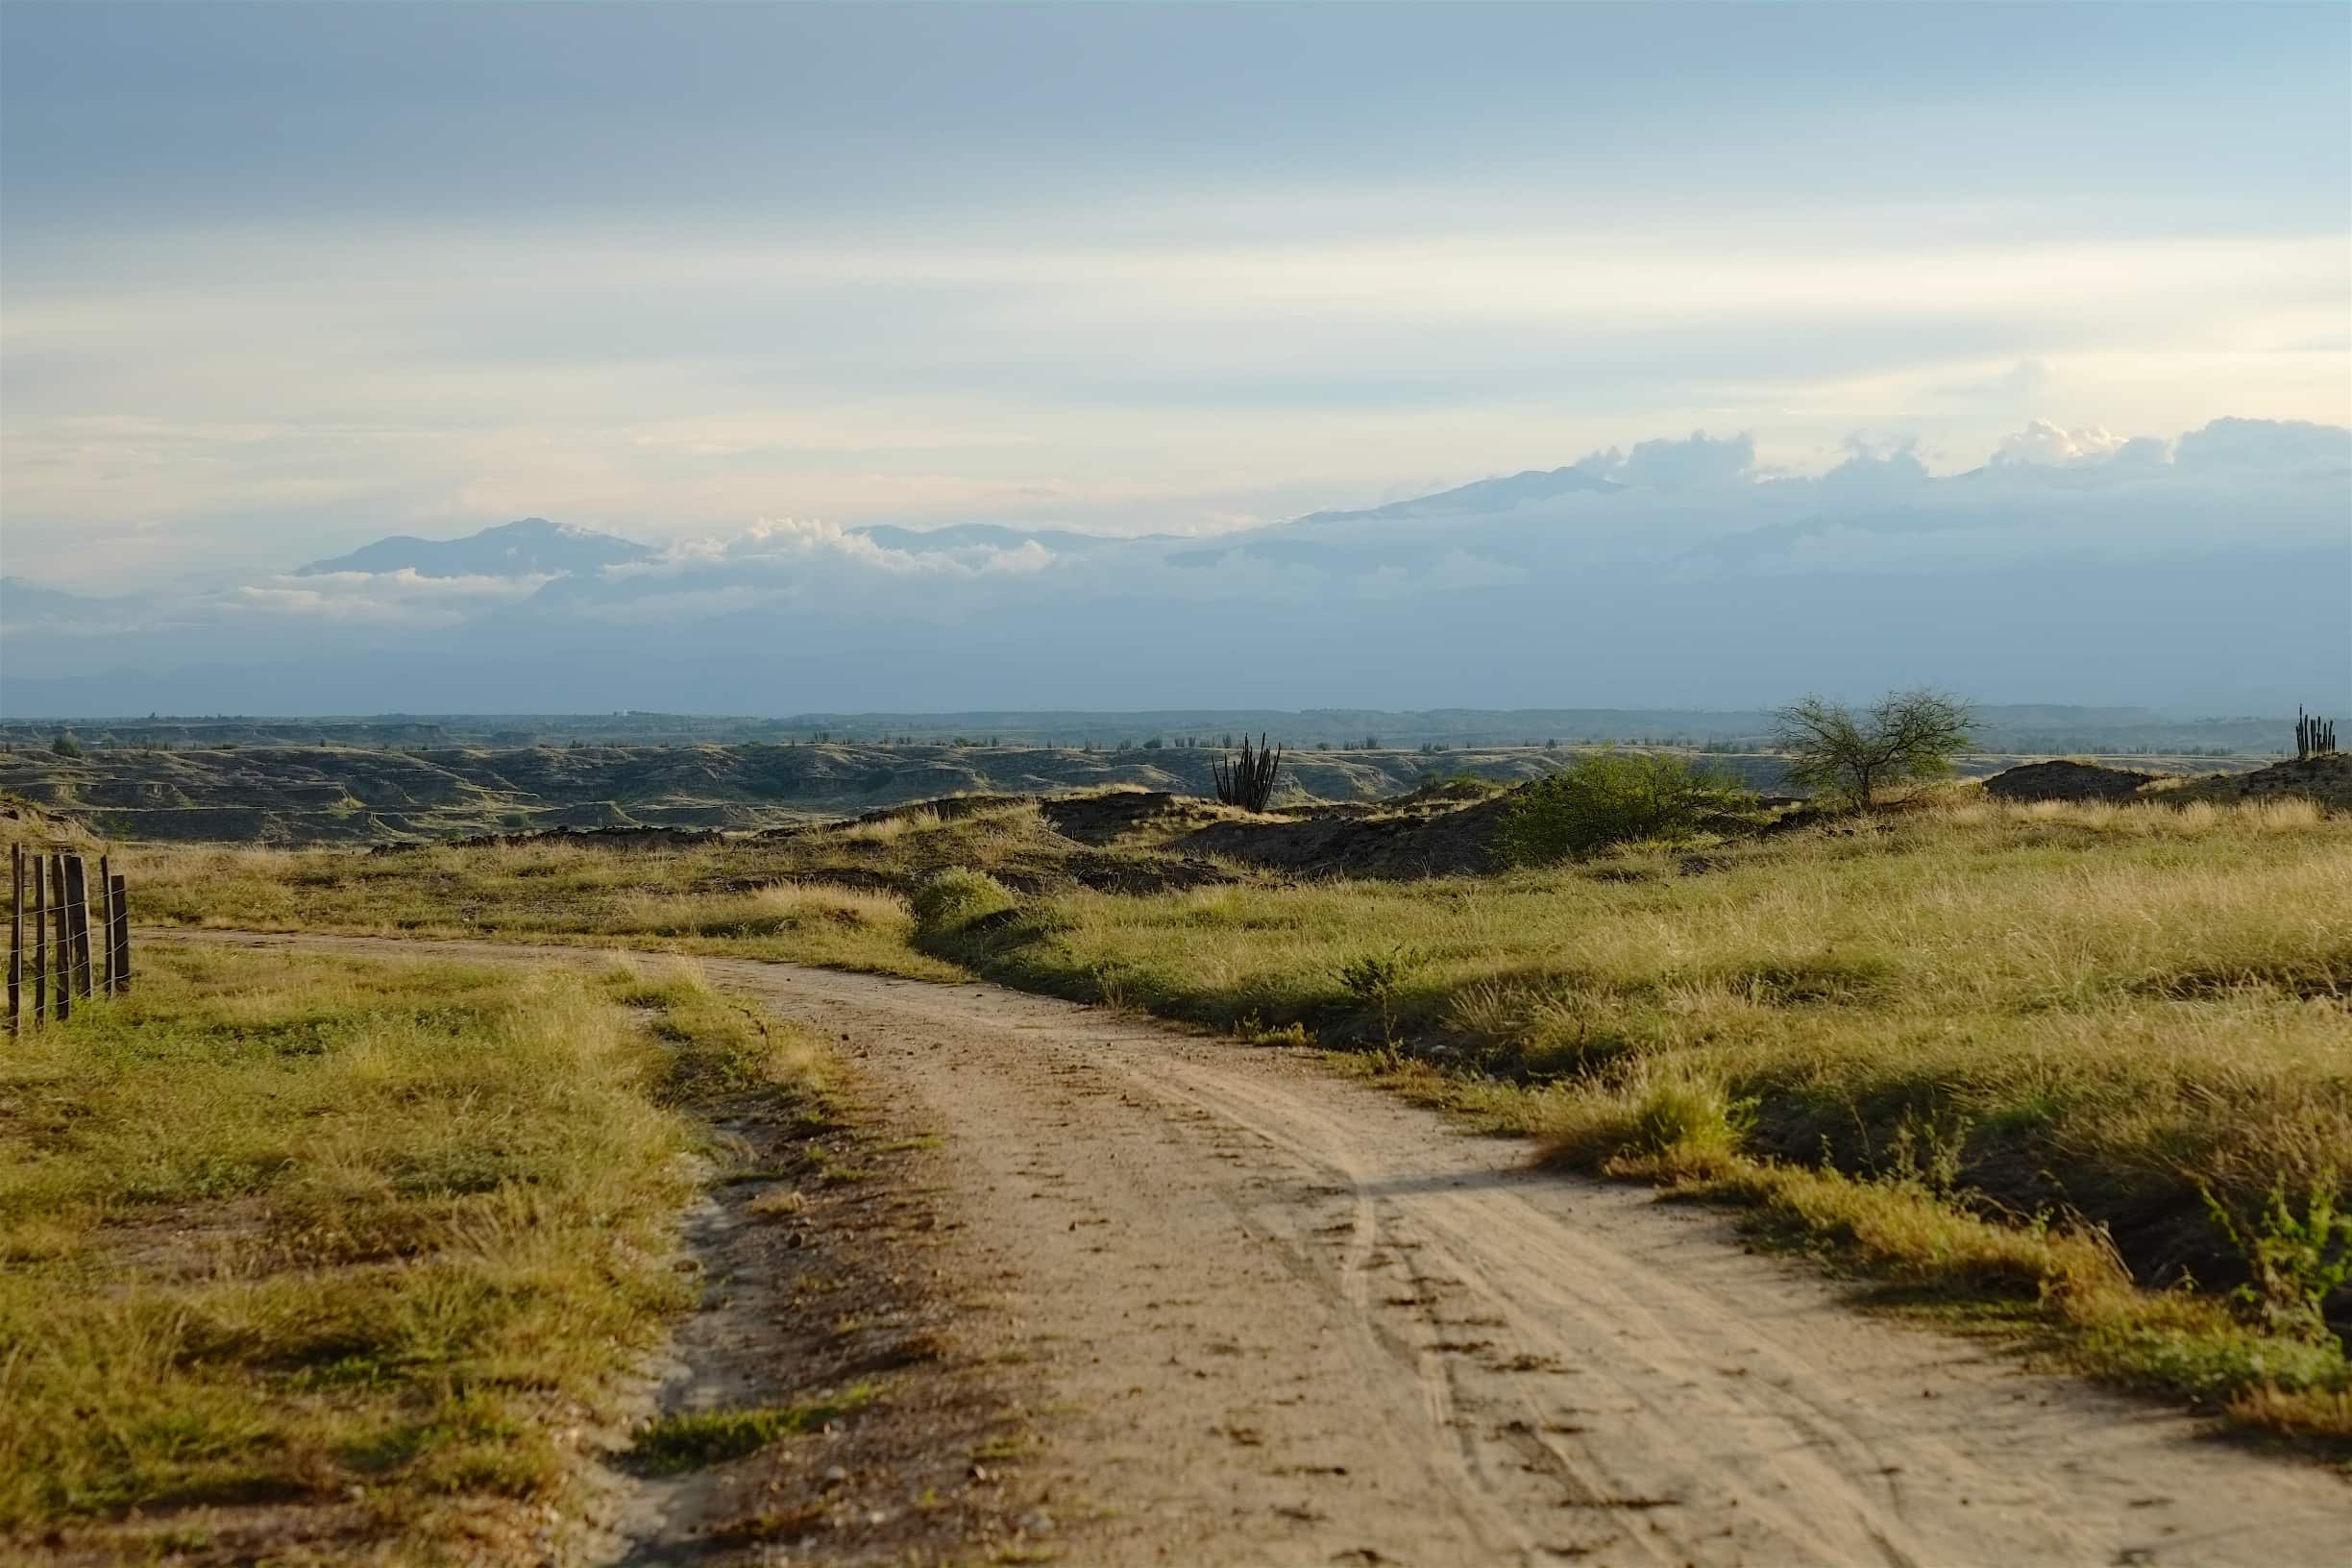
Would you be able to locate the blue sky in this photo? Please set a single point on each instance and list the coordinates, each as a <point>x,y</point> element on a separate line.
<point>277,279</point>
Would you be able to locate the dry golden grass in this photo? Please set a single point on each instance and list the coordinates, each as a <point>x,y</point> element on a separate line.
<point>375,1244</point>
<point>2012,1044</point>
<point>741,899</point>
<point>2002,1028</point>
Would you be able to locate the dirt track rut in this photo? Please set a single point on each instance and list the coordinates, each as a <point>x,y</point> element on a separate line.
<point>1287,1319</point>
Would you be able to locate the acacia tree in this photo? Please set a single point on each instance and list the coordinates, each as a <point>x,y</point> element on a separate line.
<point>1904,735</point>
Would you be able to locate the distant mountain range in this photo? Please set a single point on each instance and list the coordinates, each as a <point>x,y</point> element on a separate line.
<point>531,548</point>
<point>2207,575</point>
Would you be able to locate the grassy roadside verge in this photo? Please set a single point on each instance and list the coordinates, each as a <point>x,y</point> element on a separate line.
<point>742,900</point>
<point>2085,1070</point>
<point>312,1259</point>
<point>2027,1061</point>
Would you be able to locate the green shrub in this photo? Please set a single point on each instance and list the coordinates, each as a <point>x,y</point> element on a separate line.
<point>65,745</point>
<point>1371,975</point>
<point>1609,798</point>
<point>957,896</point>
<point>1377,978</point>
<point>2298,1262</point>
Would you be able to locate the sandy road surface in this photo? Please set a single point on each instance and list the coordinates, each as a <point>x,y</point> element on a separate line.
<point>1289,1319</point>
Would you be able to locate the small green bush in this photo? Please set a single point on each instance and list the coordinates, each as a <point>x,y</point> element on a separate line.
<point>65,745</point>
<point>1378,978</point>
<point>1373,975</point>
<point>2298,1262</point>
<point>1611,798</point>
<point>957,896</point>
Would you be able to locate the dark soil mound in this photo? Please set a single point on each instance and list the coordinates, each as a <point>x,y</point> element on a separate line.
<point>1445,839</point>
<point>2066,781</point>
<point>1099,819</point>
<point>608,838</point>
<point>947,808</point>
<point>2326,779</point>
<point>1143,874</point>
<point>950,808</point>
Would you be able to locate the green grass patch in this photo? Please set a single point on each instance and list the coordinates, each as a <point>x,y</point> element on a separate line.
<point>837,898</point>
<point>694,1439</point>
<point>278,1226</point>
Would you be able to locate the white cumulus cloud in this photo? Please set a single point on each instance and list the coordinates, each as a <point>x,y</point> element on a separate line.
<point>2044,444</point>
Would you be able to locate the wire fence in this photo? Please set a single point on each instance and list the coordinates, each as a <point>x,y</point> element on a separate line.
<point>55,901</point>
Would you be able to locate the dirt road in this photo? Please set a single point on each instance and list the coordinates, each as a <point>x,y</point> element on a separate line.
<point>1287,1319</point>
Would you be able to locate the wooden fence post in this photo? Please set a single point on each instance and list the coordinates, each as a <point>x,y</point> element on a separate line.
<point>40,939</point>
<point>103,958</point>
<point>76,904</point>
<point>15,981</point>
<point>60,939</point>
<point>120,964</point>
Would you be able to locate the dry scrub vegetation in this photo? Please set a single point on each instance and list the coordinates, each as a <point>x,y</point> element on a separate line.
<point>317,1260</point>
<point>2087,1067</point>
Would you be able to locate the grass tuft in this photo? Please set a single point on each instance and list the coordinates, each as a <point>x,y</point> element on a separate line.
<point>694,1439</point>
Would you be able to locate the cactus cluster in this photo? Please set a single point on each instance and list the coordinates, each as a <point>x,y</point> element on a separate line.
<point>2315,736</point>
<point>1248,780</point>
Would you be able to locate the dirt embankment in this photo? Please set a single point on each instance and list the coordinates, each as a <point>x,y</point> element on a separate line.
<point>22,822</point>
<point>1430,833</point>
<point>600,838</point>
<point>1443,837</point>
<point>1283,1320</point>
<point>2326,779</point>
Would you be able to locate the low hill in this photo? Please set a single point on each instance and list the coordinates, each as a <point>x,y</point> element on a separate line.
<point>2326,779</point>
<point>332,793</point>
<point>2064,779</point>
<point>335,793</point>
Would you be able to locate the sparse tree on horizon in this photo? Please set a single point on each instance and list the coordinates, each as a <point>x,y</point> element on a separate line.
<point>1904,737</point>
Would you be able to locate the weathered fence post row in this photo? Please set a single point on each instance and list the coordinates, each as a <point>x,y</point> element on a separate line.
<point>58,883</point>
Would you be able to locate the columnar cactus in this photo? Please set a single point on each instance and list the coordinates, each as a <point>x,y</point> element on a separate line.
<point>2315,736</point>
<point>1249,780</point>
